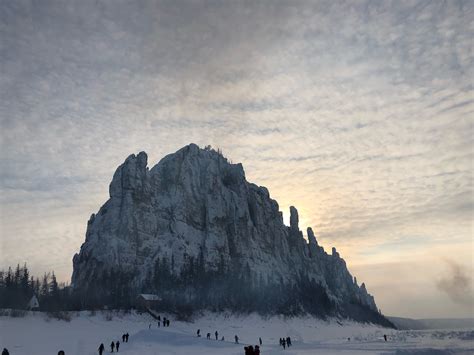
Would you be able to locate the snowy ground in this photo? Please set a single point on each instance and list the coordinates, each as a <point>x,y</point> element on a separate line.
<point>38,335</point>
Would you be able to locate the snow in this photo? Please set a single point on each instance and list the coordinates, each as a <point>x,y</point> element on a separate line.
<point>149,297</point>
<point>37,334</point>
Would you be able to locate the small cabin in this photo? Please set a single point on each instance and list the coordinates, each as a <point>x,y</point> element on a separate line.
<point>33,304</point>
<point>147,301</point>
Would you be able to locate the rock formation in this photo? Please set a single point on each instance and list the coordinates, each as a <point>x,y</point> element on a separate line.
<point>193,223</point>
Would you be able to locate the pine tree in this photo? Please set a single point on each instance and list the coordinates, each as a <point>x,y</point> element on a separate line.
<point>24,282</point>
<point>36,287</point>
<point>44,288</point>
<point>53,287</point>
<point>9,278</point>
<point>17,277</point>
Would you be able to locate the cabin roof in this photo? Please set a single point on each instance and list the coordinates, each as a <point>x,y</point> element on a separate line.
<point>149,297</point>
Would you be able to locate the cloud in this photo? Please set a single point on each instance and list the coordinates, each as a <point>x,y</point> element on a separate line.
<point>457,284</point>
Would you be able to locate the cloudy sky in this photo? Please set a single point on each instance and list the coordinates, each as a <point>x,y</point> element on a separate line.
<point>359,113</point>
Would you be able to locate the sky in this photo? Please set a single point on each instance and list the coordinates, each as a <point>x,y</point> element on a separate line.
<point>359,113</point>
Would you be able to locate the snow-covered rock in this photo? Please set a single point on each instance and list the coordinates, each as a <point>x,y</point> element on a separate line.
<point>196,206</point>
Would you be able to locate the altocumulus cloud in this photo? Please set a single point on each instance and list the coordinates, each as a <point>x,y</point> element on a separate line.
<point>359,113</point>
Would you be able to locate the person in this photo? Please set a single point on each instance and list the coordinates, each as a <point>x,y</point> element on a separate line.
<point>199,333</point>
<point>159,318</point>
<point>236,339</point>
<point>288,341</point>
<point>159,324</point>
<point>101,349</point>
<point>5,352</point>
<point>123,338</point>
<point>112,346</point>
<point>208,335</point>
<point>222,339</point>
<point>117,344</point>
<point>217,335</point>
<point>257,350</point>
<point>260,341</point>
<point>167,322</point>
<point>61,352</point>
<point>385,337</point>
<point>283,343</point>
<point>126,337</point>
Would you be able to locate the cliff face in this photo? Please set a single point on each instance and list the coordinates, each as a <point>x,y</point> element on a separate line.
<point>194,213</point>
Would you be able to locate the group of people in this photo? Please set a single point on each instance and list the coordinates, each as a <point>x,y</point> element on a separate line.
<point>208,336</point>
<point>6,352</point>
<point>285,342</point>
<point>113,345</point>
<point>166,322</point>
<point>250,350</point>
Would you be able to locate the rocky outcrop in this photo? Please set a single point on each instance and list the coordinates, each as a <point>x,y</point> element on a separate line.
<point>196,211</point>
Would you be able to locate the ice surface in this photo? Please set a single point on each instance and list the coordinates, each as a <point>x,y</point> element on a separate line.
<point>36,334</point>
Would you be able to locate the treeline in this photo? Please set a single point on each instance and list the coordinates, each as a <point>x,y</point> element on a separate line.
<point>17,287</point>
<point>233,287</point>
<point>194,287</point>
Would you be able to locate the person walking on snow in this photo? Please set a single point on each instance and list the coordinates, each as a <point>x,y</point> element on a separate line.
<point>117,344</point>
<point>101,349</point>
<point>199,333</point>
<point>236,339</point>
<point>288,341</point>
<point>5,352</point>
<point>112,346</point>
<point>257,350</point>
<point>208,335</point>
<point>283,343</point>
<point>260,341</point>
<point>123,338</point>
<point>217,335</point>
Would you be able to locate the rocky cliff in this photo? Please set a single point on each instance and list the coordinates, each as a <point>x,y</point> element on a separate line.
<point>194,229</point>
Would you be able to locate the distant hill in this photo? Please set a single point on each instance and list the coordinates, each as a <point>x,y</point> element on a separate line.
<point>435,323</point>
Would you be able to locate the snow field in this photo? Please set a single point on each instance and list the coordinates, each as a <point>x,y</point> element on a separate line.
<point>36,334</point>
